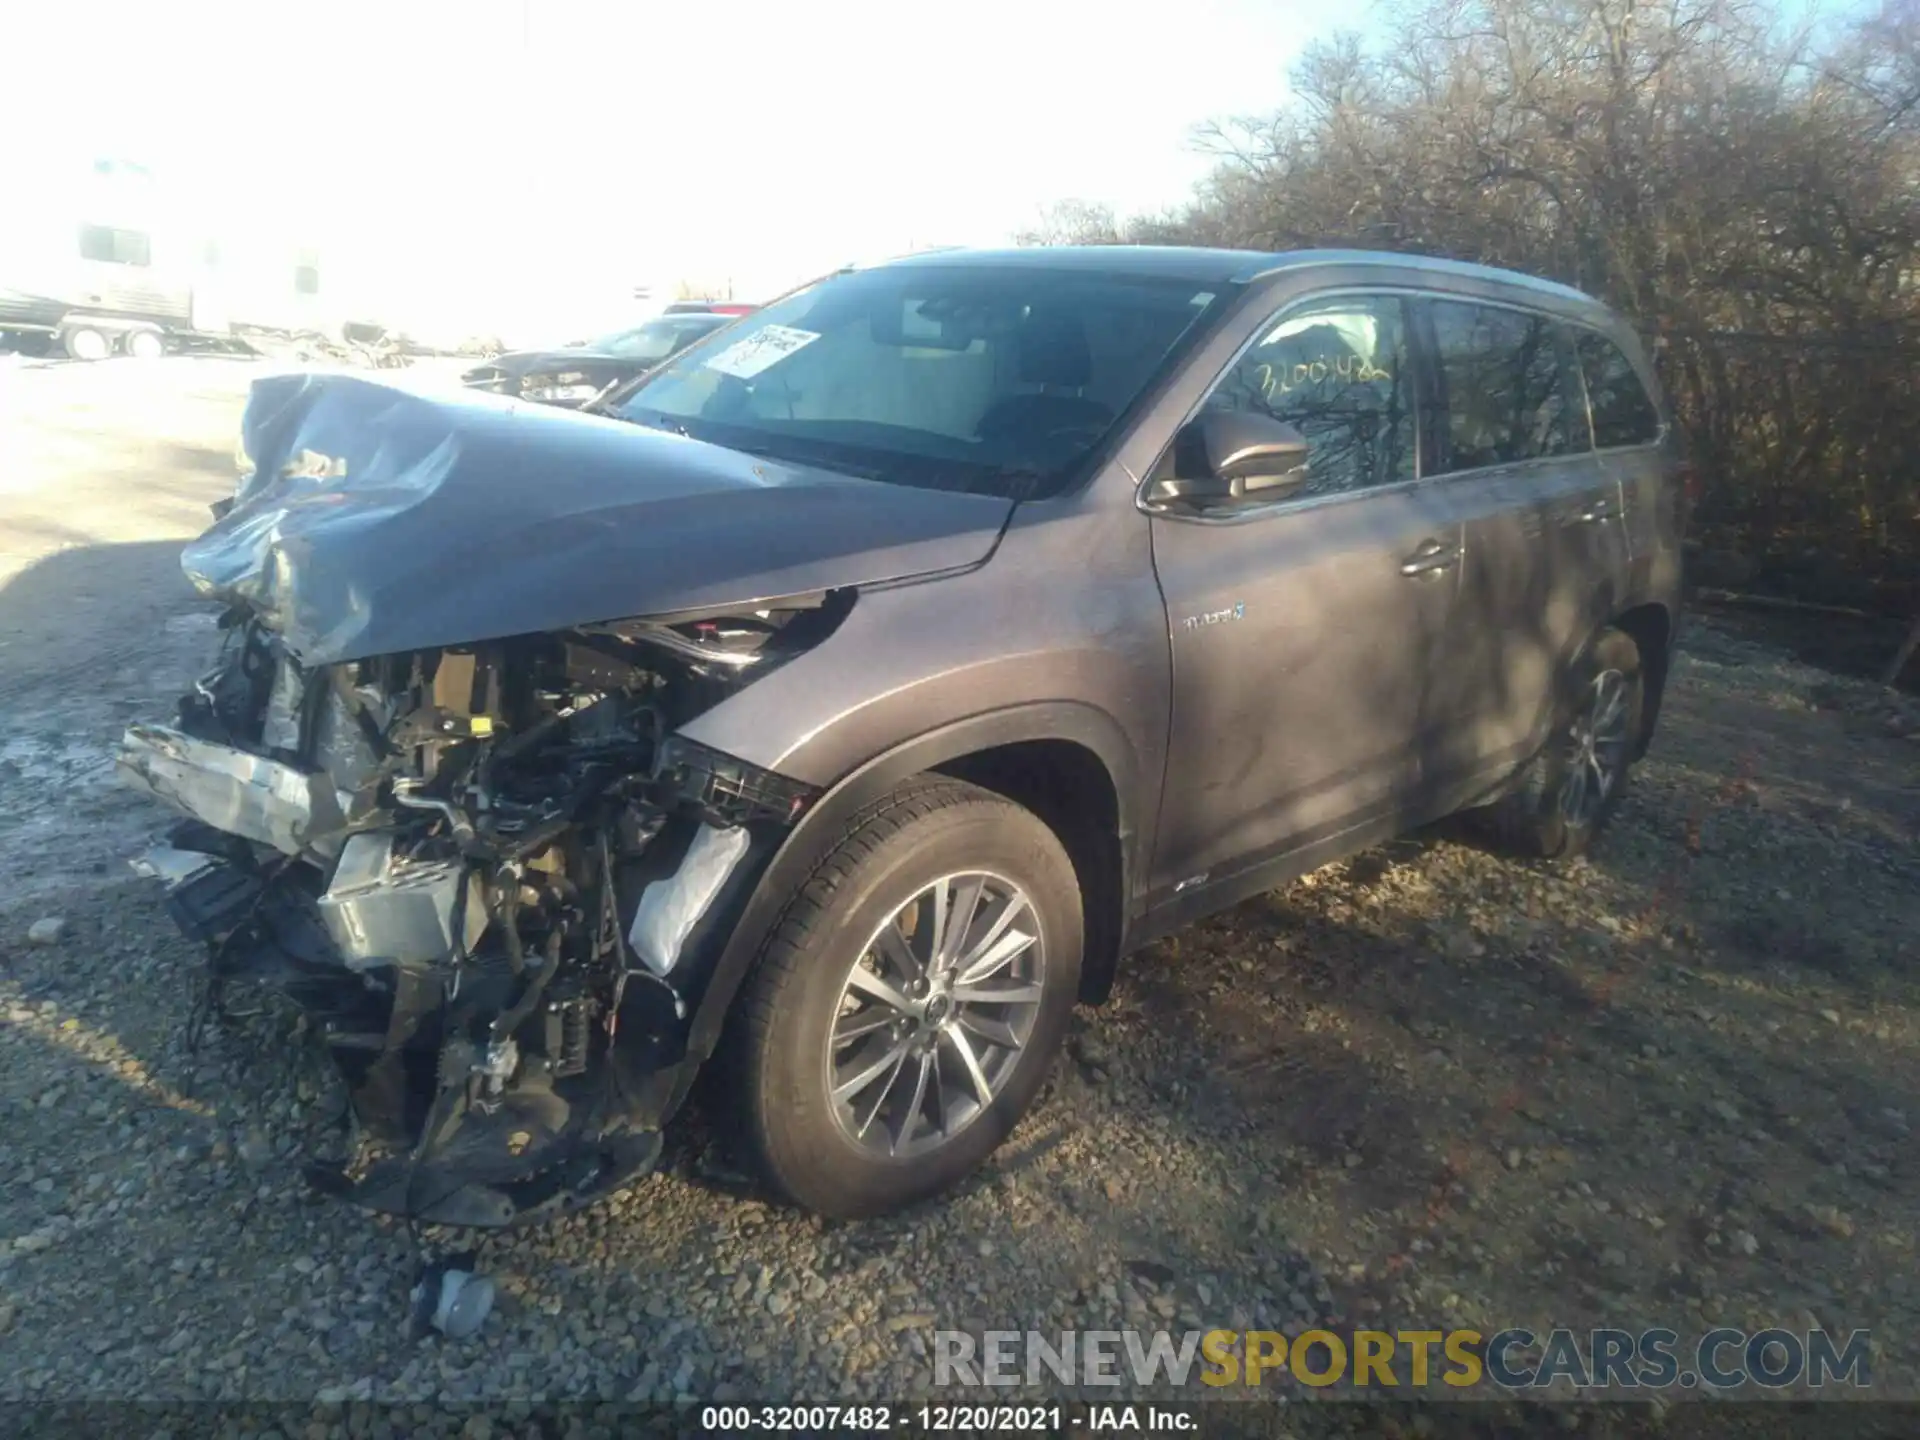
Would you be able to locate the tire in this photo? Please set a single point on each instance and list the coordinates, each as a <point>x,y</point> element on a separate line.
<point>1540,817</point>
<point>84,342</point>
<point>144,344</point>
<point>937,1114</point>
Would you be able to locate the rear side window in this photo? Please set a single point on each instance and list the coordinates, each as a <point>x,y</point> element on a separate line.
<point>1336,372</point>
<point>1503,391</point>
<point>1623,412</point>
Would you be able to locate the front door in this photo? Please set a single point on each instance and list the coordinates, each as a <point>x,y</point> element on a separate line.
<point>1304,631</point>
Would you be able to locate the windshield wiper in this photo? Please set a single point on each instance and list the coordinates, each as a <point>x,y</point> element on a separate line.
<point>789,457</point>
<point>618,390</point>
<point>664,425</point>
<point>1017,483</point>
<point>964,477</point>
<point>594,402</point>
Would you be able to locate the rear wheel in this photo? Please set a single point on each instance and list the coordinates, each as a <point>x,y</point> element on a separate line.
<point>144,344</point>
<point>906,1011</point>
<point>1569,791</point>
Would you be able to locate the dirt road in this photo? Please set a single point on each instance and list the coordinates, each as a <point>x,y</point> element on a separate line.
<point>1428,1088</point>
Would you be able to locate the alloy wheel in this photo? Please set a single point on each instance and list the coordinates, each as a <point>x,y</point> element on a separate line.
<point>1597,743</point>
<point>935,1014</point>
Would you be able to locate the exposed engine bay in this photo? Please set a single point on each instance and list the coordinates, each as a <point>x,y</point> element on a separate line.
<point>452,809</point>
<point>492,876</point>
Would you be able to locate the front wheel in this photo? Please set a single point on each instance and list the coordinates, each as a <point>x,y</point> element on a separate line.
<point>905,1012</point>
<point>1568,792</point>
<point>84,342</point>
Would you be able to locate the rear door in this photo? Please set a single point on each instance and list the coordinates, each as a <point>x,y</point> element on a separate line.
<point>1305,631</point>
<point>1545,552</point>
<point>1627,435</point>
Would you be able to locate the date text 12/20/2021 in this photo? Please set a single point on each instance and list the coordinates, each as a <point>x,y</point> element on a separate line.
<point>946,1419</point>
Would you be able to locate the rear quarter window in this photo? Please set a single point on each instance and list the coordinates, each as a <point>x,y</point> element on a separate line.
<point>1623,413</point>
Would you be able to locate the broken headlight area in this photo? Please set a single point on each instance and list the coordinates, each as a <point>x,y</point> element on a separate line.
<point>494,378</point>
<point>493,878</point>
<point>561,389</point>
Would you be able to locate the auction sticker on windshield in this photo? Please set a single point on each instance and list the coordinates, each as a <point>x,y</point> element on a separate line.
<point>746,358</point>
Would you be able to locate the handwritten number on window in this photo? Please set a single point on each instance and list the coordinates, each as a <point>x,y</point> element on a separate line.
<point>1272,380</point>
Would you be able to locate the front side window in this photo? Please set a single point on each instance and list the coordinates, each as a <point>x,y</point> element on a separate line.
<point>1337,372</point>
<point>116,247</point>
<point>1623,413</point>
<point>1503,393</point>
<point>1001,379</point>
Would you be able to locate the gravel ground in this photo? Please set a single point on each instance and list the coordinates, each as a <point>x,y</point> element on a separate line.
<point>1423,1089</point>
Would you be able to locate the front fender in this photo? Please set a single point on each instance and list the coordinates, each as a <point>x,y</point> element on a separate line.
<point>827,821</point>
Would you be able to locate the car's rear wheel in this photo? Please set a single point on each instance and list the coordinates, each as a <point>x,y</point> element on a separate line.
<point>144,344</point>
<point>905,1012</point>
<point>1569,791</point>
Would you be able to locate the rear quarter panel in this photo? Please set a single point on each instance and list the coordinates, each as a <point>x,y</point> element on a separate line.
<point>1651,494</point>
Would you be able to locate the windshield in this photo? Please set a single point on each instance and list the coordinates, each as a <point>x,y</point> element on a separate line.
<point>999,379</point>
<point>657,339</point>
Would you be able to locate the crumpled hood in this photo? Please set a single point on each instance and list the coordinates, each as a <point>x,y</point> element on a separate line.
<point>379,519</point>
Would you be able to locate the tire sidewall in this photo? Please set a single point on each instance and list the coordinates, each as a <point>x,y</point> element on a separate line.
<point>798,1124</point>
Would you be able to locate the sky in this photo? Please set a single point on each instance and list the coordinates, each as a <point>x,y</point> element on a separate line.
<point>561,148</point>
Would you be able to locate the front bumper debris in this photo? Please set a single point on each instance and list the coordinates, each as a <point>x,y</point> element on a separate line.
<point>430,1148</point>
<point>262,800</point>
<point>495,879</point>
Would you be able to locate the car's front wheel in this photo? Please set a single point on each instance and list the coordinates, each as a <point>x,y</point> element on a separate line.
<point>905,1012</point>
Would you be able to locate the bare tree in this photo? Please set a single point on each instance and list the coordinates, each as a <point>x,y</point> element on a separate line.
<point>1073,222</point>
<point>1748,197</point>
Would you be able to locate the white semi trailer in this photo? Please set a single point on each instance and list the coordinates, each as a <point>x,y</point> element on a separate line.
<point>105,264</point>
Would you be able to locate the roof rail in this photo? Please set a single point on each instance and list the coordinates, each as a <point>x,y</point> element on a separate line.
<point>902,255</point>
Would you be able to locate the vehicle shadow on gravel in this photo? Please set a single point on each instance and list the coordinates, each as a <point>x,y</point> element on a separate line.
<point>1671,1085</point>
<point>90,607</point>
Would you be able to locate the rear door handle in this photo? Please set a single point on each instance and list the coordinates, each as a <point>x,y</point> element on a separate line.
<point>1434,557</point>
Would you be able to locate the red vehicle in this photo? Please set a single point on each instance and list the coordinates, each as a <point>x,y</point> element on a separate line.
<point>709,307</point>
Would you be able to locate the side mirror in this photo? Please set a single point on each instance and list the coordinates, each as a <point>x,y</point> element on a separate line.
<point>1224,456</point>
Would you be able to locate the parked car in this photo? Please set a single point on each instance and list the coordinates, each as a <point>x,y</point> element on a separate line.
<point>574,374</point>
<point>710,307</point>
<point>886,669</point>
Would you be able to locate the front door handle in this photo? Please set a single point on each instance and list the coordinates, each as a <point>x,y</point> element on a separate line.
<point>1434,557</point>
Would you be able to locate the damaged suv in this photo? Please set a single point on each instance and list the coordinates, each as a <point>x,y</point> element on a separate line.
<point>837,709</point>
